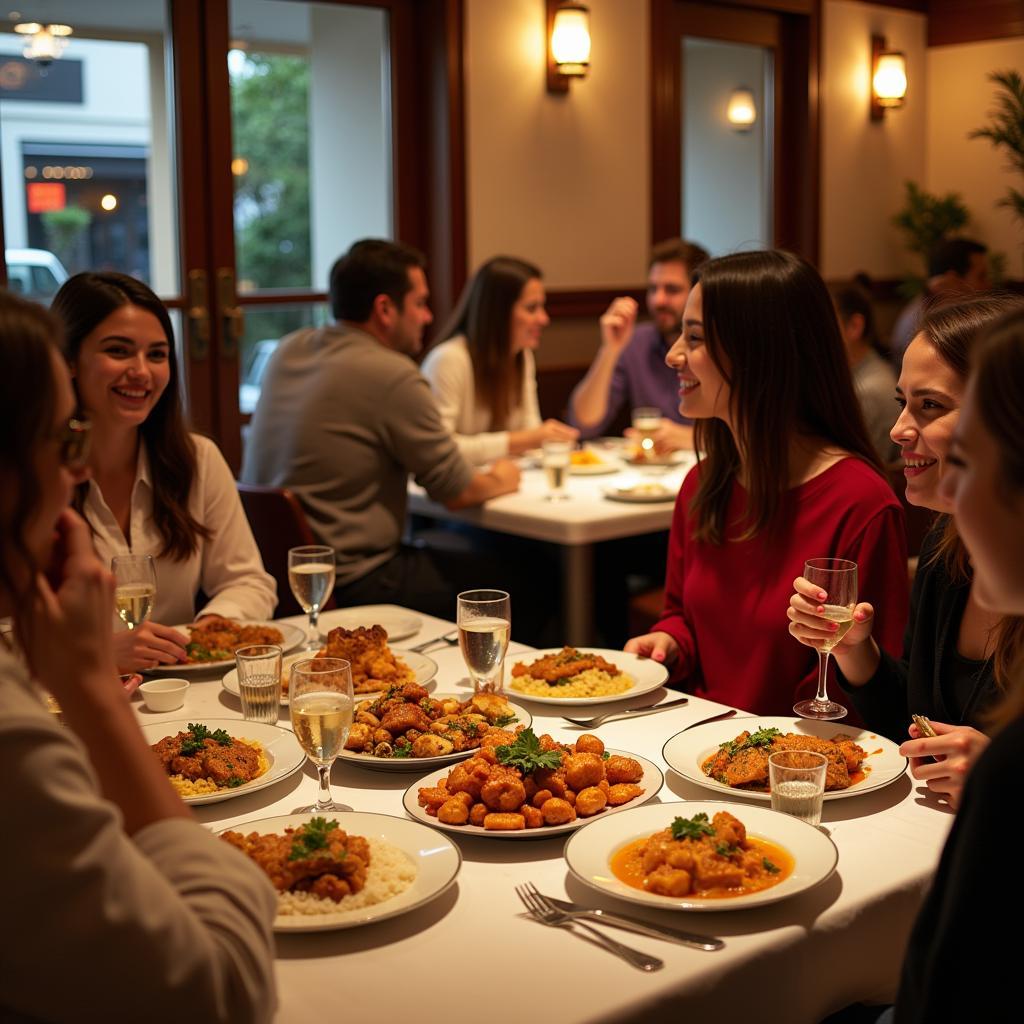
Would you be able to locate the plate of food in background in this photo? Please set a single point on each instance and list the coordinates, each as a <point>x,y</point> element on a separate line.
<point>728,758</point>
<point>220,758</point>
<point>398,623</point>
<point>590,675</point>
<point>212,643</point>
<point>643,493</point>
<point>588,462</point>
<point>346,868</point>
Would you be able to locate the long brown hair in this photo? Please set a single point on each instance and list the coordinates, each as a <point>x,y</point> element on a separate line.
<point>484,316</point>
<point>83,303</point>
<point>771,330</point>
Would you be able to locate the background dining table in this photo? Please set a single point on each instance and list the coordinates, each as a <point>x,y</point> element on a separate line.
<point>472,954</point>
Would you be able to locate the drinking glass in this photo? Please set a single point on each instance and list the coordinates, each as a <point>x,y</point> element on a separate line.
<point>485,623</point>
<point>311,577</point>
<point>321,705</point>
<point>646,422</point>
<point>259,681</point>
<point>838,578</point>
<point>797,782</point>
<point>134,587</point>
<point>555,459</point>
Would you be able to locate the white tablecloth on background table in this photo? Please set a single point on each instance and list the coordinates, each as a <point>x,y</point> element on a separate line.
<point>471,955</point>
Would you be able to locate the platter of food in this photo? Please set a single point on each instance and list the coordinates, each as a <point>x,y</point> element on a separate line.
<point>588,462</point>
<point>591,675</point>
<point>724,757</point>
<point>212,644</point>
<point>637,456</point>
<point>407,730</point>
<point>220,758</point>
<point>701,856</point>
<point>376,667</point>
<point>396,622</point>
<point>347,868</point>
<point>532,788</point>
<point>644,493</point>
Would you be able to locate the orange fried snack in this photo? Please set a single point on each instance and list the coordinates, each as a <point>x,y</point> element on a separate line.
<point>566,663</point>
<point>374,665</point>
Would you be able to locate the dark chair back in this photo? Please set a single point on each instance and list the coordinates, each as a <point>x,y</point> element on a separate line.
<point>278,523</point>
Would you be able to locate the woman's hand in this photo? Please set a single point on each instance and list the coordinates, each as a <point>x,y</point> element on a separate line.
<point>943,762</point>
<point>809,627</point>
<point>148,645</point>
<point>657,646</point>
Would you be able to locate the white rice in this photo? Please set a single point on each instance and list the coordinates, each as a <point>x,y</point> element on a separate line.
<point>391,872</point>
<point>594,682</point>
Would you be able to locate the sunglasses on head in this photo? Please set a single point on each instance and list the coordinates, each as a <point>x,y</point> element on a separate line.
<point>73,438</point>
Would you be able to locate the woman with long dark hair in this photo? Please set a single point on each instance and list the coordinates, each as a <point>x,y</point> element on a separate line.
<point>483,373</point>
<point>786,473</point>
<point>956,655</point>
<point>102,859</point>
<point>155,488</point>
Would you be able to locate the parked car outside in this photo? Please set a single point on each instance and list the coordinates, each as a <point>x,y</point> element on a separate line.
<point>34,273</point>
<point>252,382</point>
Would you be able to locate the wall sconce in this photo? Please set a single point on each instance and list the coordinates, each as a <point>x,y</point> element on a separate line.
<point>568,41</point>
<point>888,78</point>
<point>45,43</point>
<point>741,111</point>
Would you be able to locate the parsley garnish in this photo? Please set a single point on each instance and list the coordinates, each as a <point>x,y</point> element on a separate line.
<point>405,751</point>
<point>197,733</point>
<point>771,868</point>
<point>605,755</point>
<point>500,723</point>
<point>761,738</point>
<point>311,838</point>
<point>526,755</point>
<point>234,781</point>
<point>692,828</point>
<point>725,849</point>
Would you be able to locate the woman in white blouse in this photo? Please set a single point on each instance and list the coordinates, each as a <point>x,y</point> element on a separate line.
<point>155,488</point>
<point>483,375</point>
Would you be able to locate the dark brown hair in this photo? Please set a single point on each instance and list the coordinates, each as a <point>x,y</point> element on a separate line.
<point>371,267</point>
<point>28,398</point>
<point>771,330</point>
<point>851,300</point>
<point>484,315</point>
<point>676,250</point>
<point>83,303</point>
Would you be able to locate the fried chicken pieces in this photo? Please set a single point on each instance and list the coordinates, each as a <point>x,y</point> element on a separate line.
<point>224,764</point>
<point>374,665</point>
<point>566,663</point>
<point>216,638</point>
<point>336,870</point>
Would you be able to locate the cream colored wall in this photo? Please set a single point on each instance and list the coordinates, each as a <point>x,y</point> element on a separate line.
<point>563,180</point>
<point>959,98</point>
<point>864,163</point>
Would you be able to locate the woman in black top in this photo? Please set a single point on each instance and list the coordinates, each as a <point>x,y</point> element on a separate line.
<point>955,651</point>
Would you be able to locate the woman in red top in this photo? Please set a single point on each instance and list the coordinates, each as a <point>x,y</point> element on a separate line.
<point>787,473</point>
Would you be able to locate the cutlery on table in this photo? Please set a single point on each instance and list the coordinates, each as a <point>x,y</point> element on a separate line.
<point>450,639</point>
<point>633,924</point>
<point>556,918</point>
<point>711,718</point>
<point>647,709</point>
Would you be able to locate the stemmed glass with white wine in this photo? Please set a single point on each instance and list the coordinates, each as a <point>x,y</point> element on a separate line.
<point>311,577</point>
<point>485,623</point>
<point>321,705</point>
<point>134,588</point>
<point>838,578</point>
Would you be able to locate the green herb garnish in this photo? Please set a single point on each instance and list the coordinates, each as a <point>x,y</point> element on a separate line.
<point>762,738</point>
<point>405,751</point>
<point>311,838</point>
<point>725,849</point>
<point>692,828</point>
<point>200,652</point>
<point>605,755</point>
<point>500,723</point>
<point>197,733</point>
<point>234,781</point>
<point>526,755</point>
<point>770,867</point>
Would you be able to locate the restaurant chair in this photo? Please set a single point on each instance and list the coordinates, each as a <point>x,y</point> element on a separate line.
<point>278,523</point>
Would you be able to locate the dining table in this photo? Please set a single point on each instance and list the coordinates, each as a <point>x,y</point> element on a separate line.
<point>473,954</point>
<point>586,517</point>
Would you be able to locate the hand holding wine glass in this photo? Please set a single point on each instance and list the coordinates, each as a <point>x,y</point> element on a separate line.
<point>485,624</point>
<point>837,579</point>
<point>134,588</point>
<point>311,577</point>
<point>321,705</point>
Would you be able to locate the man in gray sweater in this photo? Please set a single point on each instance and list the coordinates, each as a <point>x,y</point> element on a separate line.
<point>345,416</point>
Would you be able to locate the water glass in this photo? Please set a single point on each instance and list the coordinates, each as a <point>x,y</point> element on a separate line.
<point>485,624</point>
<point>555,458</point>
<point>259,681</point>
<point>797,782</point>
<point>134,588</point>
<point>311,577</point>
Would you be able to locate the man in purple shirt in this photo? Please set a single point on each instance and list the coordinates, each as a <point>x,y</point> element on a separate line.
<point>630,363</point>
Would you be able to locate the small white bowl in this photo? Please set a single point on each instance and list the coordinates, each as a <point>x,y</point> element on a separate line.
<point>164,694</point>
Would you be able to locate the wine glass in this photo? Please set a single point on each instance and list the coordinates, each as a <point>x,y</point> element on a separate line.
<point>838,578</point>
<point>134,588</point>
<point>321,705</point>
<point>311,577</point>
<point>485,623</point>
<point>646,422</point>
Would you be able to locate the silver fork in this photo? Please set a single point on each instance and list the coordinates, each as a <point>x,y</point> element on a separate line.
<point>555,918</point>
<point>632,924</point>
<point>649,709</point>
<point>450,638</point>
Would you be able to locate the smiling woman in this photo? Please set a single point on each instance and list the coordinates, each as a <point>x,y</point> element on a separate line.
<point>155,489</point>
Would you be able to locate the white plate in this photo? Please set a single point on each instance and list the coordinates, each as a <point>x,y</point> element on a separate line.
<point>437,861</point>
<point>647,675</point>
<point>293,637</point>
<point>423,668</point>
<point>641,494</point>
<point>285,755</point>
<point>426,764</point>
<point>589,852</point>
<point>605,466</point>
<point>651,783</point>
<point>397,622</point>
<point>687,750</point>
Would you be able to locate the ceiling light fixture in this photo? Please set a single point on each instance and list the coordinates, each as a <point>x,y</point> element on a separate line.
<point>45,43</point>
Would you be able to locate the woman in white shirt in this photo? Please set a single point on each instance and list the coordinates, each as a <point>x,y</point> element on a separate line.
<point>155,488</point>
<point>483,375</point>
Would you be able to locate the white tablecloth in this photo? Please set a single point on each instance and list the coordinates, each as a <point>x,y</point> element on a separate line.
<point>471,955</point>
